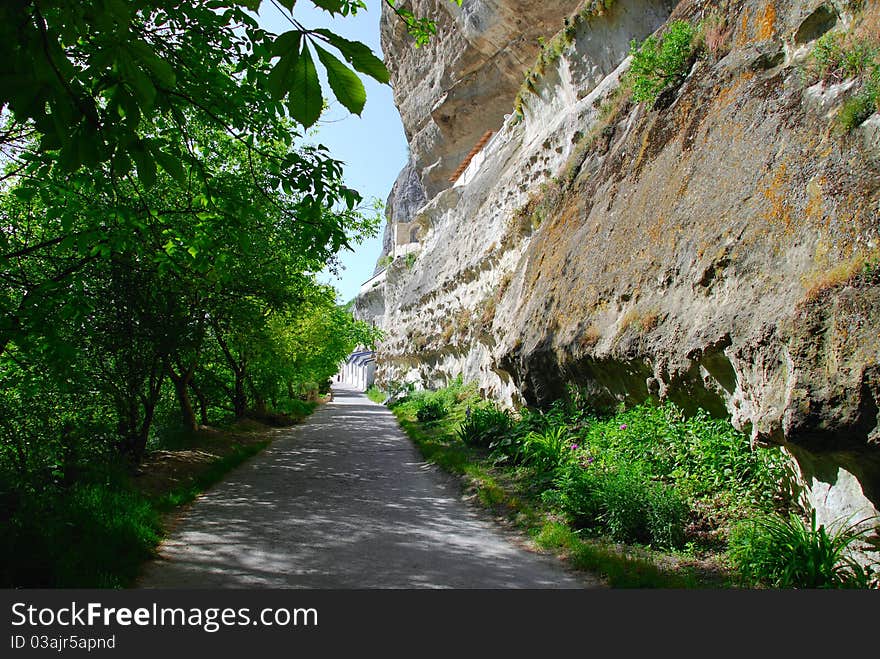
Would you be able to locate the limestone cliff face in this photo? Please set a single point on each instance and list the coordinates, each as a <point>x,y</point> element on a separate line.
<point>461,84</point>
<point>718,247</point>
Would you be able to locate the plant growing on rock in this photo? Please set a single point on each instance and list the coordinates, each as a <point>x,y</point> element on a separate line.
<point>551,51</point>
<point>846,55</point>
<point>660,64</point>
<point>714,34</point>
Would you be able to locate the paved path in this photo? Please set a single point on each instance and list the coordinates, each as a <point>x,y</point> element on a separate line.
<point>344,501</point>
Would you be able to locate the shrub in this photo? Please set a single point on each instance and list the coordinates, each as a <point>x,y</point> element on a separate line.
<point>704,456</point>
<point>836,57</point>
<point>308,391</point>
<point>376,394</point>
<point>715,34</point>
<point>658,65</point>
<point>855,111</point>
<point>622,501</point>
<point>296,408</point>
<point>667,516</point>
<point>485,426</point>
<point>430,409</point>
<point>636,510</point>
<point>576,493</point>
<point>785,553</point>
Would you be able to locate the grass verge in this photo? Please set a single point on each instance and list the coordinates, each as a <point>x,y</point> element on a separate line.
<point>513,496</point>
<point>645,496</point>
<point>97,531</point>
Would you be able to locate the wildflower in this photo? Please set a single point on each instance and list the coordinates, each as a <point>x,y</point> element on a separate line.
<point>574,447</point>
<point>623,426</point>
<point>590,460</point>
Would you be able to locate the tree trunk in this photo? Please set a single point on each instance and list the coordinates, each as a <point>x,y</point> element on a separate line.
<point>143,433</point>
<point>181,388</point>
<point>238,366</point>
<point>135,433</point>
<point>203,402</point>
<point>259,402</point>
<point>239,397</point>
<point>187,415</point>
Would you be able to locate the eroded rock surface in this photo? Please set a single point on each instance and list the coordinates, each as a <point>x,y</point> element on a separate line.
<point>718,248</point>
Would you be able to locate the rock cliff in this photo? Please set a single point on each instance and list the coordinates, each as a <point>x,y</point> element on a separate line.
<point>717,247</point>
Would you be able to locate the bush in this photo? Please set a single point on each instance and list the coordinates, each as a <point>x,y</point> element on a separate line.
<point>836,57</point>
<point>296,408</point>
<point>658,65</point>
<point>856,110</point>
<point>704,456</point>
<point>623,503</point>
<point>430,409</point>
<point>485,426</point>
<point>784,553</point>
<point>376,394</point>
<point>308,391</point>
<point>667,516</point>
<point>576,493</point>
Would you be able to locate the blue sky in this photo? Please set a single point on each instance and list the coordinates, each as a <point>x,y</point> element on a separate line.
<point>372,146</point>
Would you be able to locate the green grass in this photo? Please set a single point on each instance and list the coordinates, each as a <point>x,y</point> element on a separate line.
<point>376,395</point>
<point>97,531</point>
<point>92,535</point>
<point>645,497</point>
<point>510,490</point>
<point>619,569</point>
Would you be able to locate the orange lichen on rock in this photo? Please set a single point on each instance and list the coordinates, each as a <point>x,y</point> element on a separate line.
<point>776,192</point>
<point>766,22</point>
<point>743,37</point>
<point>815,209</point>
<point>729,94</point>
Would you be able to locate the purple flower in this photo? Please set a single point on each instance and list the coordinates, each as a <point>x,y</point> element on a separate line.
<point>467,412</point>
<point>590,460</point>
<point>574,447</point>
<point>623,426</point>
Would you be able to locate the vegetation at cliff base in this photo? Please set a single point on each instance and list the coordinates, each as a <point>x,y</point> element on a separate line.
<point>647,496</point>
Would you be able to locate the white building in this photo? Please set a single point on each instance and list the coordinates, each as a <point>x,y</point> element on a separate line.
<point>358,370</point>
